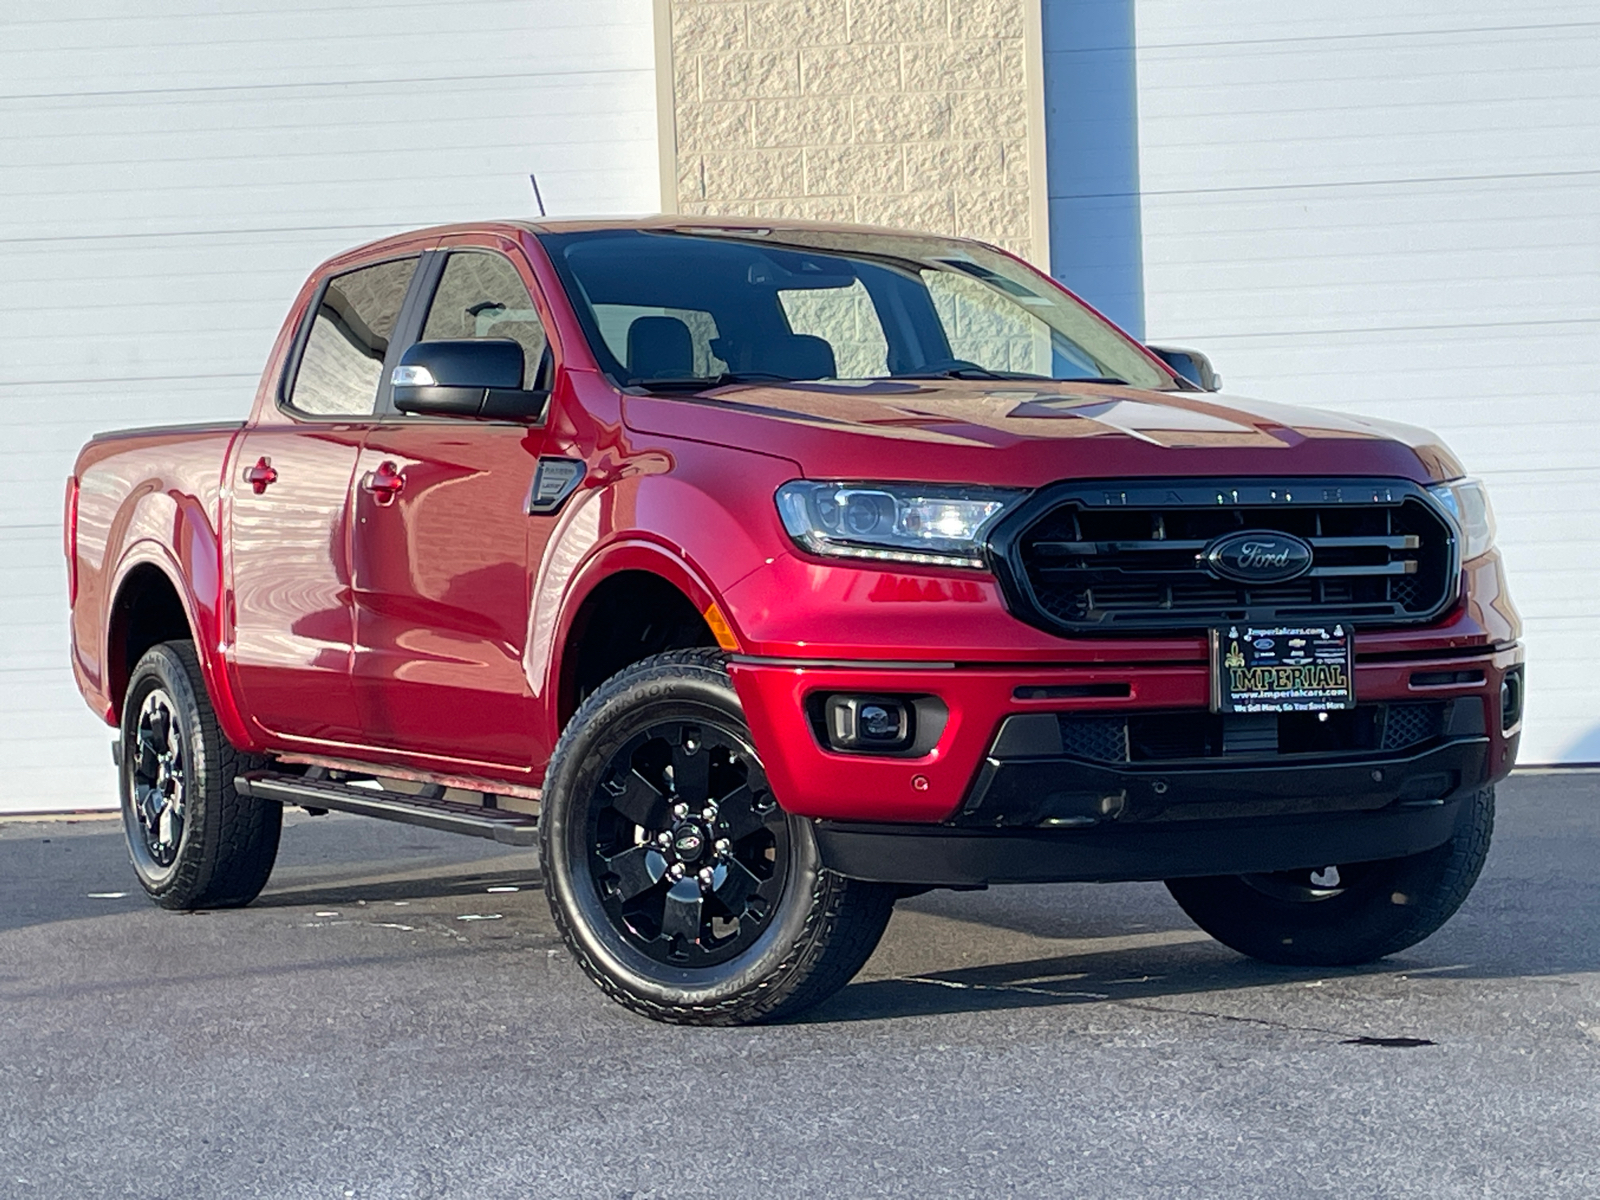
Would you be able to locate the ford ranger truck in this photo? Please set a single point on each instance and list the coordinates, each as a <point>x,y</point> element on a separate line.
<point>762,573</point>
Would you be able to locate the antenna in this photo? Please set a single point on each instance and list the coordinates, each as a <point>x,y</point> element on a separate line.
<point>534,179</point>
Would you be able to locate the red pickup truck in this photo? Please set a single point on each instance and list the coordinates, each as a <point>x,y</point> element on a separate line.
<point>764,573</point>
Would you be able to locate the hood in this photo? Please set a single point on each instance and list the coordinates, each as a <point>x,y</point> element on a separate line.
<point>1029,434</point>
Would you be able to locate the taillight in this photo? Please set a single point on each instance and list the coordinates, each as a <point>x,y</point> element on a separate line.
<point>70,539</point>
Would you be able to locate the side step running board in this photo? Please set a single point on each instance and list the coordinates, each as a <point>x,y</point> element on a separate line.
<point>508,828</point>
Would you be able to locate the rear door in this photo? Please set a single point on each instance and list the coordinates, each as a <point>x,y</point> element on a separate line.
<point>289,530</point>
<point>441,582</point>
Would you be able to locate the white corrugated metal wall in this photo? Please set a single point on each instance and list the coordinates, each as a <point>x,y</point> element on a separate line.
<point>170,170</point>
<point>1394,208</point>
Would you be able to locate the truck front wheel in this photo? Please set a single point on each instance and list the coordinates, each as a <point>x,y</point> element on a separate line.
<point>1343,915</point>
<point>194,841</point>
<point>678,883</point>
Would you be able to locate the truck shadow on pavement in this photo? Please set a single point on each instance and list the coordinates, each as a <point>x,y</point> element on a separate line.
<point>1509,928</point>
<point>400,887</point>
<point>1123,976</point>
<point>64,871</point>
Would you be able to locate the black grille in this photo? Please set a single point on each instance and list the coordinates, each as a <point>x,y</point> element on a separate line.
<point>1196,734</point>
<point>1405,725</point>
<point>1103,558</point>
<point>1098,739</point>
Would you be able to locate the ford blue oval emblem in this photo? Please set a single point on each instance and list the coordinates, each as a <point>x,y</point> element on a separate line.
<point>1258,556</point>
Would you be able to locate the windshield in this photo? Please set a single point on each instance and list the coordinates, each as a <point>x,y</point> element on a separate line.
<point>695,307</point>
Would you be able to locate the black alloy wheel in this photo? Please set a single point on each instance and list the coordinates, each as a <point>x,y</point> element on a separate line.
<point>158,776</point>
<point>688,848</point>
<point>681,886</point>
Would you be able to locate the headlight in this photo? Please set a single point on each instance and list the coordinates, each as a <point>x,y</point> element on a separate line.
<point>1468,502</point>
<point>898,522</point>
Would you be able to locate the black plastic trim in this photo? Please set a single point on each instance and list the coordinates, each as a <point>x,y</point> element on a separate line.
<point>503,826</point>
<point>548,505</point>
<point>940,856</point>
<point>1033,789</point>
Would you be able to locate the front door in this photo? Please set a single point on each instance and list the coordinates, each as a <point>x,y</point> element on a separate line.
<point>288,526</point>
<point>441,547</point>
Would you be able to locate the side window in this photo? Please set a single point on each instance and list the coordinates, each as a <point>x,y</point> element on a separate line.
<point>844,318</point>
<point>343,357</point>
<point>480,295</point>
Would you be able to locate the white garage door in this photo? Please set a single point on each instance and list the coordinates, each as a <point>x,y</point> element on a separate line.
<point>170,170</point>
<point>1394,208</point>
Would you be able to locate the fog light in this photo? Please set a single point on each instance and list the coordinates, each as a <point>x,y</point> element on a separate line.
<point>868,724</point>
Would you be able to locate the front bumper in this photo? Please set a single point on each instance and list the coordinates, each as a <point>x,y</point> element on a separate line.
<point>813,781</point>
<point>986,805</point>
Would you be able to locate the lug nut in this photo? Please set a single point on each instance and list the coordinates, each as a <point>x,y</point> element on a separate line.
<point>709,813</point>
<point>680,811</point>
<point>676,870</point>
<point>664,838</point>
<point>722,846</point>
<point>706,876</point>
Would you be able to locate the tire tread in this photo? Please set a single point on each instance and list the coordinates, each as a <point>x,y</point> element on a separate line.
<point>1373,924</point>
<point>237,836</point>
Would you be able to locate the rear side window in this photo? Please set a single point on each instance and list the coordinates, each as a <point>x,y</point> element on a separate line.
<point>480,295</point>
<point>343,357</point>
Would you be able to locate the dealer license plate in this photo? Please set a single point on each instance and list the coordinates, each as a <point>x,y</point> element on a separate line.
<point>1281,668</point>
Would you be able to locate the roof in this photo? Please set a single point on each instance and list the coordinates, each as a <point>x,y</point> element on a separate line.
<point>409,238</point>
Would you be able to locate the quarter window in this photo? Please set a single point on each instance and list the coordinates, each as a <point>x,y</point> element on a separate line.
<point>480,295</point>
<point>343,357</point>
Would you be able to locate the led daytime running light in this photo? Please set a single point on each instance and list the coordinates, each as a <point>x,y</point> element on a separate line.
<point>927,524</point>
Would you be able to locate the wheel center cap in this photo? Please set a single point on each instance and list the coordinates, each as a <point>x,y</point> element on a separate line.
<point>688,842</point>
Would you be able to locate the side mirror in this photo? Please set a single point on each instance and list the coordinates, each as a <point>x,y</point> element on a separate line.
<point>1191,364</point>
<point>466,377</point>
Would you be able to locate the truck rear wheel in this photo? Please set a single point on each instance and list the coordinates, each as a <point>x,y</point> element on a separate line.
<point>1343,915</point>
<point>194,841</point>
<point>678,883</point>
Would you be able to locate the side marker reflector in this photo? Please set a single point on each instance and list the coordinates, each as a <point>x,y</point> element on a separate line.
<point>720,629</point>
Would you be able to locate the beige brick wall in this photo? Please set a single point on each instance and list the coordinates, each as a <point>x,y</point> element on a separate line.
<point>911,113</point>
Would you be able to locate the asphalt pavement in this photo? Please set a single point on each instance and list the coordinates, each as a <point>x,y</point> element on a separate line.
<point>396,1018</point>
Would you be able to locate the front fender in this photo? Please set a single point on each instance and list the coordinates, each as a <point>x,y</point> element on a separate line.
<point>691,524</point>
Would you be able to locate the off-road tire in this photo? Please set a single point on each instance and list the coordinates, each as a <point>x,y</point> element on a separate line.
<point>228,841</point>
<point>821,932</point>
<point>1387,906</point>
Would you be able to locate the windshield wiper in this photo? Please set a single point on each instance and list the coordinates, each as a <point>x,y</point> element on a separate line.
<point>967,373</point>
<point>699,383</point>
<point>986,373</point>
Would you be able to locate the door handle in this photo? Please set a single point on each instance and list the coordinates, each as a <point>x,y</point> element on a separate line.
<point>385,483</point>
<point>260,475</point>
